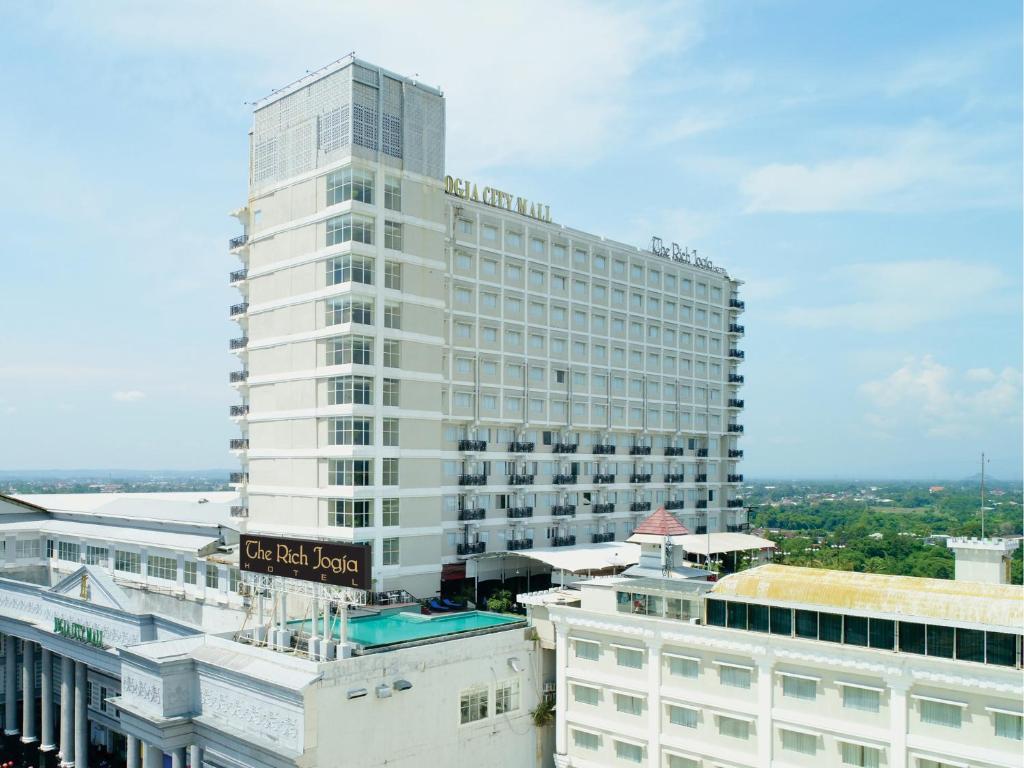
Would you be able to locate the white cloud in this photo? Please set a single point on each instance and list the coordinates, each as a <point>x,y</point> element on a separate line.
<point>128,396</point>
<point>934,399</point>
<point>686,126</point>
<point>896,296</point>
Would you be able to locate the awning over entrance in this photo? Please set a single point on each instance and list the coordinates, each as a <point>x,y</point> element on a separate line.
<point>590,558</point>
<point>717,543</point>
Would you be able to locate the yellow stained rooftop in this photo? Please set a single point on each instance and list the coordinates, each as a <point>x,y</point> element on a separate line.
<point>960,602</point>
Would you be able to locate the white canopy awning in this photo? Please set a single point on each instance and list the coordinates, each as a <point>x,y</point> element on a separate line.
<point>716,543</point>
<point>582,559</point>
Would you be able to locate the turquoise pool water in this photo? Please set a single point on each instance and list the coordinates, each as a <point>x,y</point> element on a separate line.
<point>391,628</point>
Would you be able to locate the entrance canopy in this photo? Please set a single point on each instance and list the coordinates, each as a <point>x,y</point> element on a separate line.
<point>589,558</point>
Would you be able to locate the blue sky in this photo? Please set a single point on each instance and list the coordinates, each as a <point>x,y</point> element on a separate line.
<point>858,164</point>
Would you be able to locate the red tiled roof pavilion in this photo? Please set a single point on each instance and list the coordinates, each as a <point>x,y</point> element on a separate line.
<point>661,523</point>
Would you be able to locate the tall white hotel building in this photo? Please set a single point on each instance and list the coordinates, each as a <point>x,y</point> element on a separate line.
<point>431,365</point>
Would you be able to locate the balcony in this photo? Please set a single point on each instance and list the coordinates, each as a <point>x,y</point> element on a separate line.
<point>563,541</point>
<point>639,450</point>
<point>563,510</point>
<point>702,503</point>
<point>238,309</point>
<point>735,453</point>
<point>738,528</point>
<point>734,503</point>
<point>564,448</point>
<point>520,479</point>
<point>564,479</point>
<point>737,304</point>
<point>603,449</point>
<point>734,478</point>
<point>701,453</point>
<point>238,241</point>
<point>701,529</point>
<point>514,545</point>
<point>599,538</point>
<point>674,450</point>
<point>734,403</point>
<point>239,443</point>
<point>472,479</point>
<point>472,445</point>
<point>640,506</point>
<point>519,512</point>
<point>734,328</point>
<point>675,477</point>
<point>239,410</point>
<point>736,428</point>
<point>475,548</point>
<point>472,513</point>
<point>237,276</point>
<point>236,377</point>
<point>239,511</point>
<point>240,343</point>
<point>602,509</point>
<point>237,478</point>
<point>518,447</point>
<point>736,378</point>
<point>605,478</point>
<point>674,504</point>
<point>640,477</point>
<point>700,478</point>
<point>739,354</point>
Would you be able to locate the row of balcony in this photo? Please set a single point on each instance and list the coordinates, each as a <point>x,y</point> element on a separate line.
<point>476,548</point>
<point>604,478</point>
<point>564,448</point>
<point>238,376</point>
<point>563,541</point>
<point>239,511</point>
<point>472,445</point>
<point>238,276</point>
<point>571,479</point>
<point>736,328</point>
<point>603,508</point>
<point>735,453</point>
<point>240,343</point>
<point>736,428</point>
<point>513,545</point>
<point>734,478</point>
<point>736,378</point>
<point>238,309</point>
<point>598,538</point>
<point>735,403</point>
<point>737,304</point>
<point>519,512</point>
<point>238,241</point>
<point>472,479</point>
<point>604,449</point>
<point>564,510</point>
<point>734,503</point>
<point>239,443</point>
<point>520,447</point>
<point>640,477</point>
<point>474,513</point>
<point>520,479</point>
<point>739,354</point>
<point>239,410</point>
<point>640,506</point>
<point>237,478</point>
<point>480,446</point>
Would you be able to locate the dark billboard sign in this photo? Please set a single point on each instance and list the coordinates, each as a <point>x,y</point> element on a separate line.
<point>325,562</point>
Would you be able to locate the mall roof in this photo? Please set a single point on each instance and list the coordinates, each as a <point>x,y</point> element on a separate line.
<point>207,507</point>
<point>982,605</point>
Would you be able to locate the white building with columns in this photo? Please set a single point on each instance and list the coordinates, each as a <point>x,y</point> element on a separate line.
<point>785,666</point>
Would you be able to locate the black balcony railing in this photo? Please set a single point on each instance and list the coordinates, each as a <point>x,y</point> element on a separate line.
<point>604,478</point>
<point>674,477</point>
<point>519,512</point>
<point>564,448</point>
<point>701,453</point>
<point>674,504</point>
<point>738,428</point>
<point>639,450</point>
<point>640,506</point>
<point>239,511</point>
<point>739,354</point>
<point>734,478</point>
<point>734,403</point>
<point>602,509</point>
<point>598,538</point>
<point>520,447</point>
<point>240,343</point>
<point>472,479</point>
<point>238,309</point>
<point>238,241</point>
<point>640,477</point>
<point>520,479</point>
<point>237,478</point>
<point>735,453</point>
<point>240,410</point>
<point>736,378</point>
<point>734,503</point>
<point>736,328</point>
<point>238,275</point>
<point>700,478</point>
<point>674,450</point>
<point>475,548</point>
<point>603,449</point>
<point>563,510</point>
<point>472,445</point>
<point>737,304</point>
<point>701,529</point>
<point>239,443</point>
<point>563,541</point>
<point>472,513</point>
<point>738,528</point>
<point>238,376</point>
<point>702,503</point>
<point>564,479</point>
<point>517,544</point>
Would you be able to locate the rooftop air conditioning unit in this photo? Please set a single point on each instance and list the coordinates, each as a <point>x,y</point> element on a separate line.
<point>356,693</point>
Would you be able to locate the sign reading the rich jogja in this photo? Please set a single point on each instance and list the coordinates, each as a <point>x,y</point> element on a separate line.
<point>79,632</point>
<point>325,562</point>
<point>496,198</point>
<point>684,256</point>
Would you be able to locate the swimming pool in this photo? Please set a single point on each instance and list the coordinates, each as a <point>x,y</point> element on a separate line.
<point>402,627</point>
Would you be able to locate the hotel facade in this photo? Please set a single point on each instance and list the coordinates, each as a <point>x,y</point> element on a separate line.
<point>432,365</point>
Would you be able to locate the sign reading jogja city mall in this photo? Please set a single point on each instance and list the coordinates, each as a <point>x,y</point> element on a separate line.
<point>684,256</point>
<point>79,632</point>
<point>496,198</point>
<point>325,562</point>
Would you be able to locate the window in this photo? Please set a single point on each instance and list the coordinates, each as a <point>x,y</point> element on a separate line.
<point>584,694</point>
<point>190,571</point>
<point>1000,648</point>
<point>632,753</point>
<point>730,726</point>
<point>391,391</point>
<point>127,561</point>
<point>350,513</point>
<point>799,687</point>
<point>350,431</point>
<point>391,432</point>
<point>69,551</point>
<point>212,576</point>
<point>393,275</point>
<point>29,548</point>
<point>1008,725</point>
<point>392,193</point>
<point>93,555</point>
<point>859,755</point>
<point>339,311</point>
<point>630,705</point>
<point>506,697</point>
<point>586,650</point>
<point>351,227</point>
<point>586,740</point>
<point>345,350</point>
<point>734,677</point>
<point>392,353</point>
<point>629,657</point>
<point>513,239</point>
<point>678,761</point>
<point>473,705</point>
<point>465,227</point>
<point>393,235</point>
<point>795,741</point>
<point>912,637</point>
<point>683,667</point>
<point>346,390</point>
<point>940,713</point>
<point>389,552</point>
<point>864,699</point>
<point>358,472</point>
<point>683,716</point>
<point>159,567</point>
<point>350,184</point>
<point>392,316</point>
<point>389,510</point>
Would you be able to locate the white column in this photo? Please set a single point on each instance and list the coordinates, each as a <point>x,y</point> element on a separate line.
<point>152,757</point>
<point>132,752</point>
<point>10,685</point>
<point>765,667</point>
<point>201,578</point>
<point>327,620</point>
<point>561,693</point>
<point>46,700</point>
<point>67,712</point>
<point>181,571</point>
<point>195,756</point>
<point>898,723</point>
<point>178,758</point>
<point>81,718</point>
<point>28,693</point>
<point>654,703</point>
